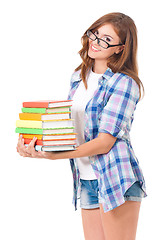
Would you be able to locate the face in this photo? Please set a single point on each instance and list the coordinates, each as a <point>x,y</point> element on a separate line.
<point>107,33</point>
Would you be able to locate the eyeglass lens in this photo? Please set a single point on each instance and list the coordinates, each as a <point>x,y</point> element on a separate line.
<point>93,37</point>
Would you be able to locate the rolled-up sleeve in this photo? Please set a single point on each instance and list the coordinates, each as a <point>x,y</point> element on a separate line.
<point>117,115</point>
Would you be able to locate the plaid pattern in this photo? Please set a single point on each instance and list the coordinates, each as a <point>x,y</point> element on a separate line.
<point>111,110</point>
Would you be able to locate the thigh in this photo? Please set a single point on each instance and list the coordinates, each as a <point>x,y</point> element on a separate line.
<point>121,222</point>
<point>92,224</point>
<point>91,218</point>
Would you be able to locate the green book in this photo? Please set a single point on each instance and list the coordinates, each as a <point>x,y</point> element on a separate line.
<point>46,110</point>
<point>44,131</point>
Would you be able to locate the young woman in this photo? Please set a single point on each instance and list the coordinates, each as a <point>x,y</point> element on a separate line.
<point>105,89</point>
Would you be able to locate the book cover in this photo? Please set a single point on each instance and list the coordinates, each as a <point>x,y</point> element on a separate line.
<point>43,117</point>
<point>54,148</point>
<point>46,110</point>
<point>47,104</point>
<point>51,142</point>
<point>58,148</point>
<point>51,136</point>
<point>44,131</point>
<point>44,124</point>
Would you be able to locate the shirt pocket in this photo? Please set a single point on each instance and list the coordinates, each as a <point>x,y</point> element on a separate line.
<point>96,104</point>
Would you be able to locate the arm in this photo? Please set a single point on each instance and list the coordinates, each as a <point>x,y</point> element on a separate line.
<point>100,145</point>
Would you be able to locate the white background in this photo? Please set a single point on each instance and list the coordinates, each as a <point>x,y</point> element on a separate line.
<point>39,44</point>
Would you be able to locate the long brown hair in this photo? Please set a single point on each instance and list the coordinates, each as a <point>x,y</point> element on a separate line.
<point>124,62</point>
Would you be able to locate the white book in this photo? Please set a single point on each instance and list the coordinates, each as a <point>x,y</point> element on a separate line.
<point>54,148</point>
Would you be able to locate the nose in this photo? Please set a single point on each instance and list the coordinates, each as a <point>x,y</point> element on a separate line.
<point>96,42</point>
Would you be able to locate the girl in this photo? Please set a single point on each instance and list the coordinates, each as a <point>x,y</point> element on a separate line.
<point>105,89</point>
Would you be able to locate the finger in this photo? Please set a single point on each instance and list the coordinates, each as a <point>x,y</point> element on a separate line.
<point>32,143</point>
<point>21,146</point>
<point>17,149</point>
<point>37,154</point>
<point>20,141</point>
<point>24,154</point>
<point>20,138</point>
<point>31,147</point>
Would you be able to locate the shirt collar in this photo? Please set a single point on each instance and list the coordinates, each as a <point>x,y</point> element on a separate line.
<point>107,75</point>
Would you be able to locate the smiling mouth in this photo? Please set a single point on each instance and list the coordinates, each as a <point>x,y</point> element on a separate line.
<point>94,49</point>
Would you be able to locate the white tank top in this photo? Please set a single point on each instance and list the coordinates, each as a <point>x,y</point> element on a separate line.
<point>80,100</point>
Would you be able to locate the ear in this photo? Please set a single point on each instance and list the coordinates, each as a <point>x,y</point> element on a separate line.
<point>119,49</point>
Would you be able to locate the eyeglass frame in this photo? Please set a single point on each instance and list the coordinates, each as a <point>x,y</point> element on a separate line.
<point>99,39</point>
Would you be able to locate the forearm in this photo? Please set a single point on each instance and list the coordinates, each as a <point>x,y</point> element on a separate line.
<point>93,147</point>
<point>100,145</point>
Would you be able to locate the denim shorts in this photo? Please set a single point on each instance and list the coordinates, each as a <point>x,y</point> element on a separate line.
<point>90,198</point>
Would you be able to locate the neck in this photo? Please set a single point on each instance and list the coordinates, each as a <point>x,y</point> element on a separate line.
<point>100,66</point>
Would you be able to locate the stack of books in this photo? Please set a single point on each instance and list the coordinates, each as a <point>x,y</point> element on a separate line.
<point>50,122</point>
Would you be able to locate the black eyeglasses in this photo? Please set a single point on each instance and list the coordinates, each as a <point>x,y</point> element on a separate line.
<point>100,41</point>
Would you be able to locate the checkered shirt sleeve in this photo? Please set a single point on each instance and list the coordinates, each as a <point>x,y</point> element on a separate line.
<point>117,115</point>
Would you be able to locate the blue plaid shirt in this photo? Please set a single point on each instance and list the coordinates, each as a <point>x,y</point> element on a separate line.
<point>110,110</point>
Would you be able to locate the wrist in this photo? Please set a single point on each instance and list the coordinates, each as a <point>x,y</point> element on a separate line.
<point>48,155</point>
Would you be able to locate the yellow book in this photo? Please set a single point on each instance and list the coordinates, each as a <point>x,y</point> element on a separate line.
<point>45,124</point>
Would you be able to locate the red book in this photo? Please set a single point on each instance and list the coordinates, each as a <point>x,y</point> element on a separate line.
<point>52,142</point>
<point>47,104</point>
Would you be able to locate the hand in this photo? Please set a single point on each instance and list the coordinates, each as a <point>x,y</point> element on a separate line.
<point>30,151</point>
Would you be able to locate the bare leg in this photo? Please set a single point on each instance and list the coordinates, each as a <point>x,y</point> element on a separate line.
<point>121,222</point>
<point>92,224</point>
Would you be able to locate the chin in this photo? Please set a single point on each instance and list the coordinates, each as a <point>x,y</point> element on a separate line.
<point>92,55</point>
